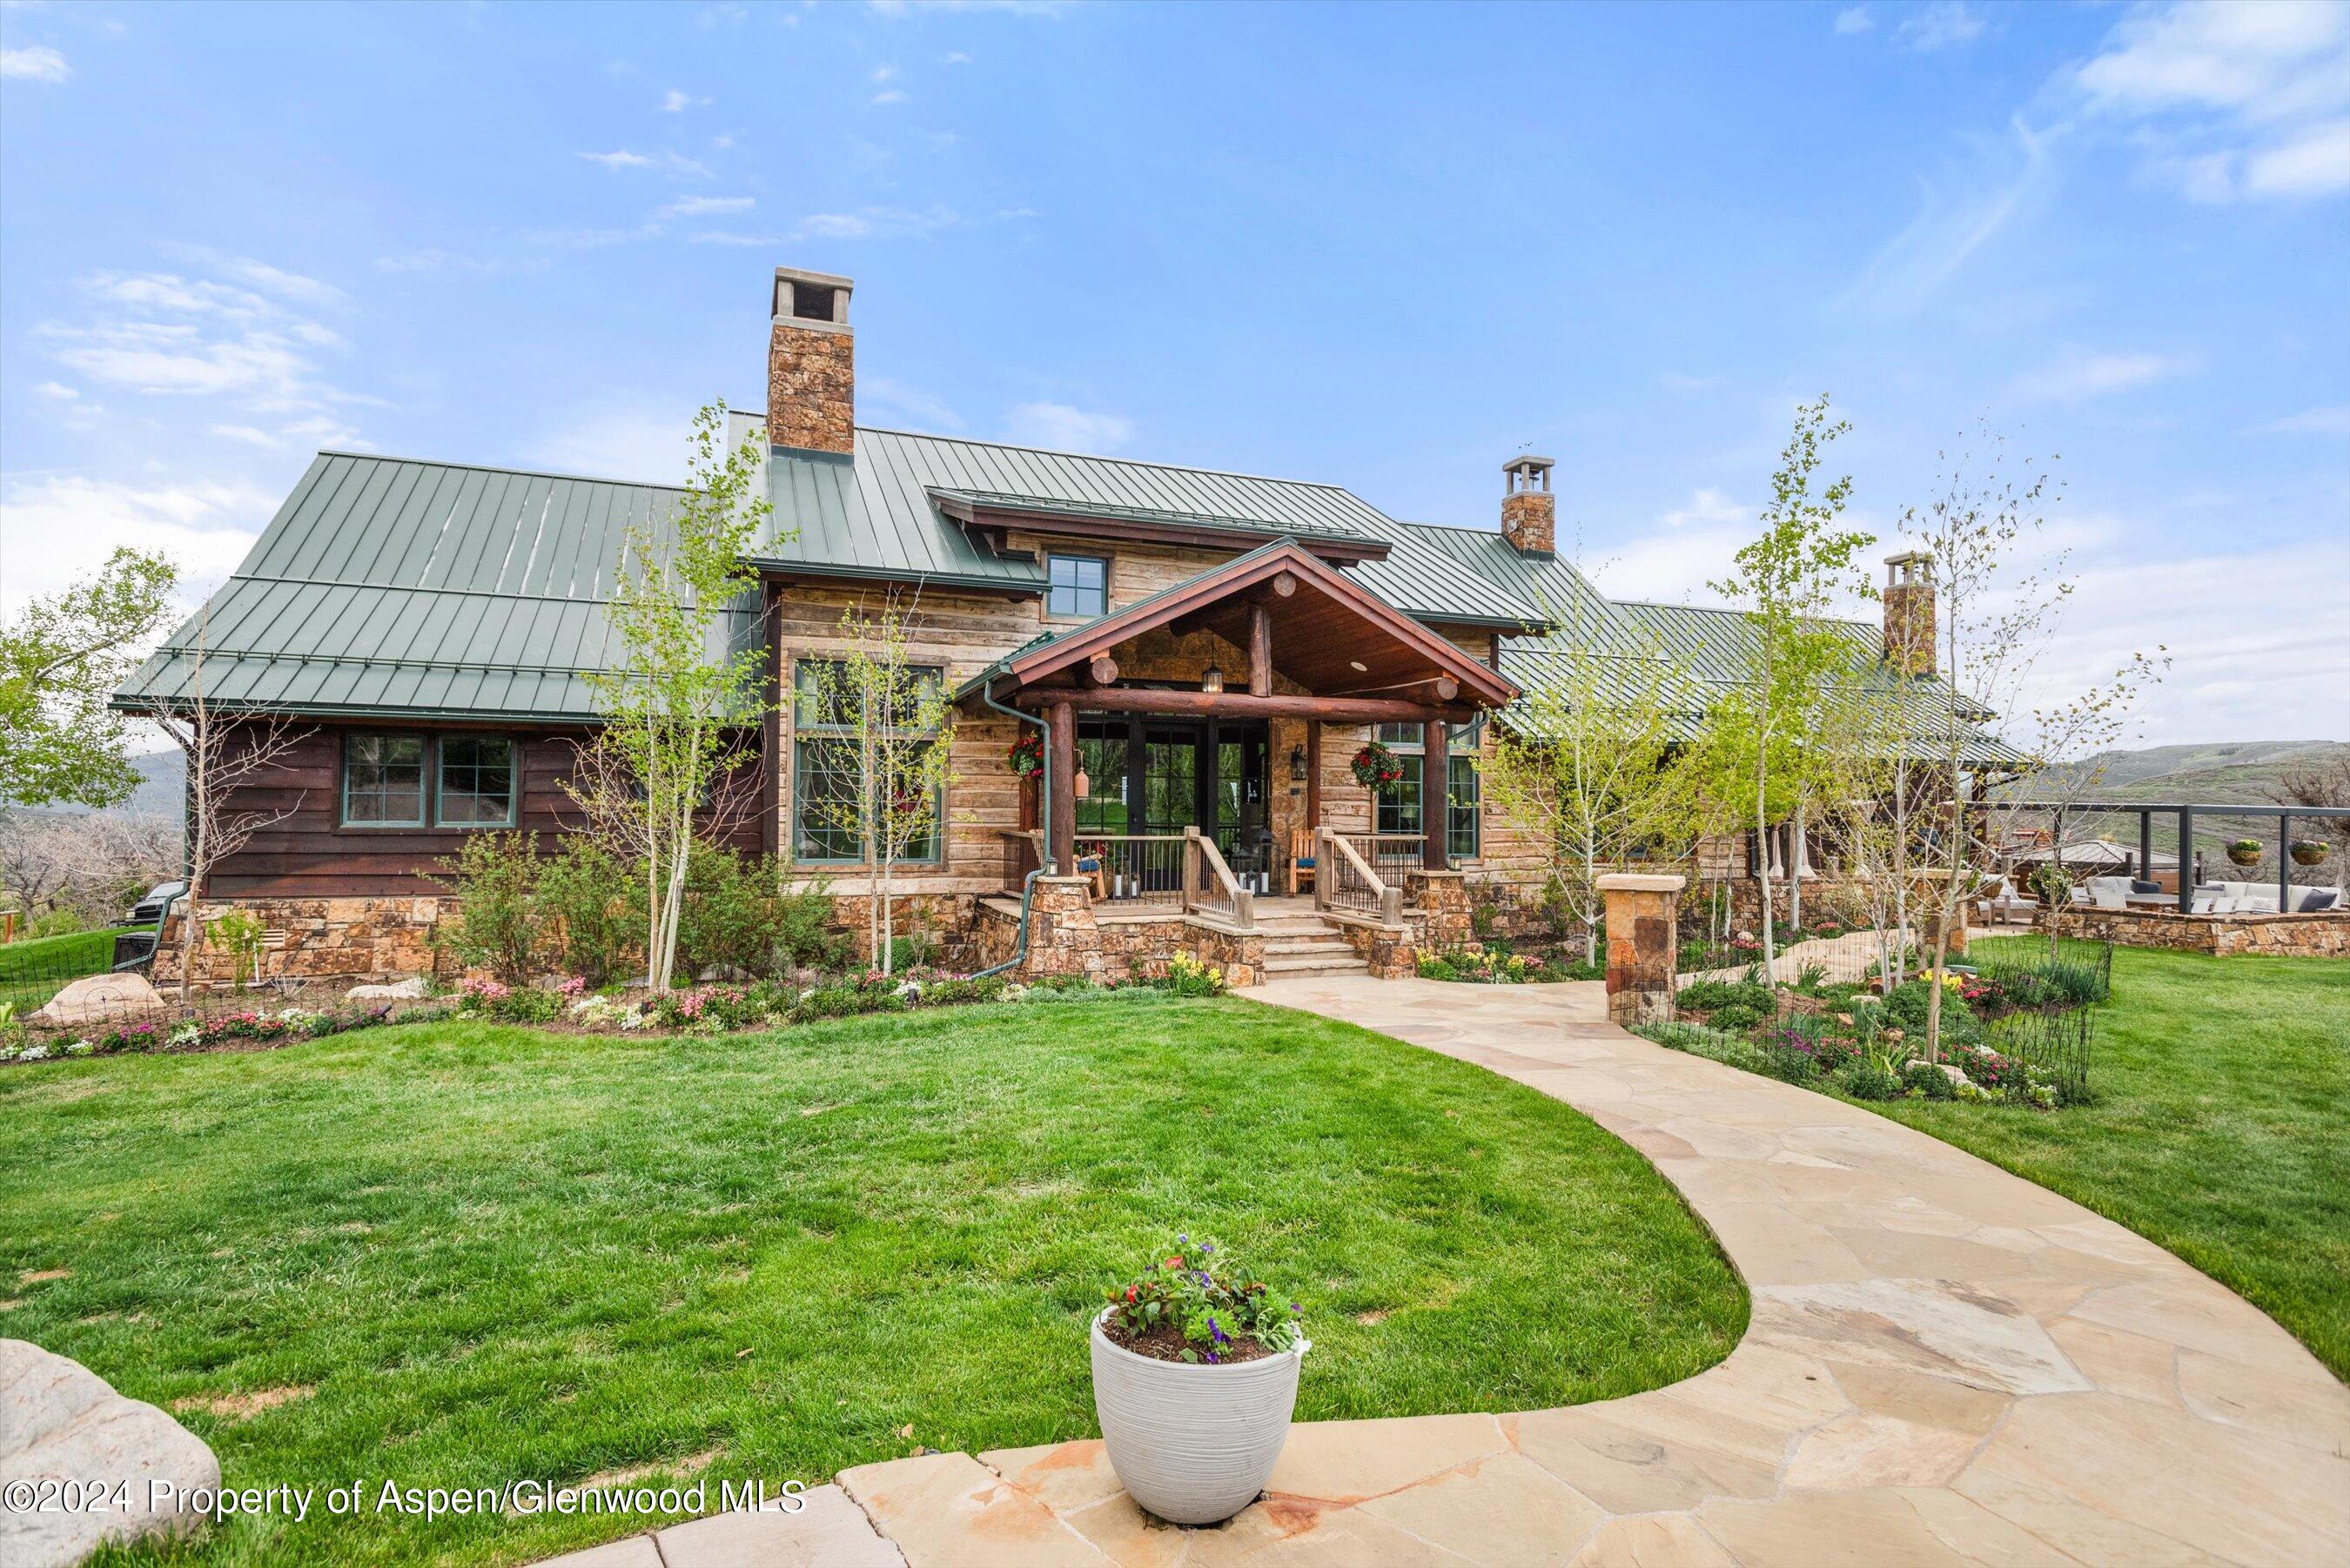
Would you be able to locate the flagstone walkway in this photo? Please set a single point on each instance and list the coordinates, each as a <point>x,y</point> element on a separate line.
<point>1946,1365</point>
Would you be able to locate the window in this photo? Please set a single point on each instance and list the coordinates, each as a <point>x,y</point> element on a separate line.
<point>1076,585</point>
<point>476,781</point>
<point>829,803</point>
<point>383,781</point>
<point>1397,805</point>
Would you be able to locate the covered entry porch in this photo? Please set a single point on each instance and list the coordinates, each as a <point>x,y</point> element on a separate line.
<point>1190,739</point>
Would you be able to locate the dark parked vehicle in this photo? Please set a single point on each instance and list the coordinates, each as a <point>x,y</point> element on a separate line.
<point>148,910</point>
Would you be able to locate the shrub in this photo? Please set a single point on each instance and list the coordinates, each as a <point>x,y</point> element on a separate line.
<point>1706,995</point>
<point>590,904</point>
<point>1190,1303</point>
<point>55,923</point>
<point>1928,1080</point>
<point>506,1004</point>
<point>240,935</point>
<point>1869,1076</point>
<point>1187,976</point>
<point>737,916</point>
<point>499,928</point>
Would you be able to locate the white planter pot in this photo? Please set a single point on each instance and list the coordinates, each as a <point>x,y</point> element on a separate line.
<point>1194,1443</point>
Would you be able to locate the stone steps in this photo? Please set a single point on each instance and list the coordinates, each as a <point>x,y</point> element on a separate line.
<point>1305,945</point>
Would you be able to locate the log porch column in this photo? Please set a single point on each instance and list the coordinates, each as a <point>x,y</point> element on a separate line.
<point>1061,757</point>
<point>1260,650</point>
<point>1435,799</point>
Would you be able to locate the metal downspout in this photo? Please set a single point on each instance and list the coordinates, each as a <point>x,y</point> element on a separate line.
<point>1027,883</point>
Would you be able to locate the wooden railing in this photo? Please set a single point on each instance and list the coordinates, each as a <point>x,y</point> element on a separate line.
<point>1024,851</point>
<point>1349,879</point>
<point>1135,869</point>
<point>1209,886</point>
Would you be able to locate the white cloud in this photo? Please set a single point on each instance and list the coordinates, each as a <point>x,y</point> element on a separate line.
<point>896,402</point>
<point>954,58</point>
<point>248,434</point>
<point>56,527</point>
<point>1955,219</point>
<point>668,163</point>
<point>2076,374</point>
<point>1855,19</point>
<point>891,96</point>
<point>1068,428</point>
<point>34,63</point>
<point>1938,26</point>
<point>1707,506</point>
<point>161,357</point>
<point>2335,421</point>
<point>2314,163</point>
<point>630,441</point>
<point>676,100</point>
<point>703,206</point>
<point>57,391</point>
<point>2231,103</point>
<point>883,73</point>
<point>286,285</point>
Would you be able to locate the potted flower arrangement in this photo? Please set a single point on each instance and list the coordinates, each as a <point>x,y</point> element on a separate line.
<point>1376,767</point>
<point>1195,1375</point>
<point>2310,852</point>
<point>2245,851</point>
<point>1026,755</point>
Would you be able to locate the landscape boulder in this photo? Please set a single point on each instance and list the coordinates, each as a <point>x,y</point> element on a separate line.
<point>102,998</point>
<point>412,989</point>
<point>60,1421</point>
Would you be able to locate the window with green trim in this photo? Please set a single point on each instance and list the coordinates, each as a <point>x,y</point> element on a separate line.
<point>383,781</point>
<point>829,802</point>
<point>476,781</point>
<point>1398,807</point>
<point>1076,585</point>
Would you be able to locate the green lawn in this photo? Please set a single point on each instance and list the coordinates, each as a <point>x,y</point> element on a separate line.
<point>493,1253</point>
<point>33,972</point>
<point>2221,1128</point>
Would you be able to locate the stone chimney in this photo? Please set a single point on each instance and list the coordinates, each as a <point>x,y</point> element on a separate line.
<point>1909,612</point>
<point>811,364</point>
<point>1529,510</point>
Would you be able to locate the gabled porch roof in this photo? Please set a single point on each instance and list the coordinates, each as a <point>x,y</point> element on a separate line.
<point>1330,634</point>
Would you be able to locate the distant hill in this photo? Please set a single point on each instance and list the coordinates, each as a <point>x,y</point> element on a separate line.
<point>2245,771</point>
<point>163,786</point>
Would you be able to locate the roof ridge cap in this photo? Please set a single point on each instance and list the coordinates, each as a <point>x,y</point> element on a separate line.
<point>499,468</point>
<point>1137,462</point>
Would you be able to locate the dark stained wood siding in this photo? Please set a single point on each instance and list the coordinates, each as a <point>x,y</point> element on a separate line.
<point>310,855</point>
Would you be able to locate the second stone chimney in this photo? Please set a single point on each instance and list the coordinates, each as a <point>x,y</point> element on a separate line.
<point>1529,510</point>
<point>1909,612</point>
<point>811,364</point>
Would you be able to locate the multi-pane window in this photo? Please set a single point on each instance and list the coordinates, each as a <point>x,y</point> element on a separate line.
<point>1076,585</point>
<point>1398,804</point>
<point>477,782</point>
<point>383,781</point>
<point>833,813</point>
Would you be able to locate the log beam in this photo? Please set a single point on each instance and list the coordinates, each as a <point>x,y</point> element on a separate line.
<point>1102,670</point>
<point>1061,757</point>
<point>1241,705</point>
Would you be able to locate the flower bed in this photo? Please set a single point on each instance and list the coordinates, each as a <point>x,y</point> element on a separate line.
<point>1996,1048</point>
<point>1492,962</point>
<point>705,1010</point>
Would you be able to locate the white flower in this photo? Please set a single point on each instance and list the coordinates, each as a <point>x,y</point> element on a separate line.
<point>8,1052</point>
<point>186,1034</point>
<point>80,1048</point>
<point>34,1053</point>
<point>910,990</point>
<point>1015,993</point>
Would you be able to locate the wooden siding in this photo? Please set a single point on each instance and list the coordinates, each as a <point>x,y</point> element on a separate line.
<point>310,854</point>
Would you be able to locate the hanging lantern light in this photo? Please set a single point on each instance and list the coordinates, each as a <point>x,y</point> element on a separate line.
<point>1211,680</point>
<point>1085,784</point>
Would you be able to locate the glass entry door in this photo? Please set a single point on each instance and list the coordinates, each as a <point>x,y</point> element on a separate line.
<point>1152,776</point>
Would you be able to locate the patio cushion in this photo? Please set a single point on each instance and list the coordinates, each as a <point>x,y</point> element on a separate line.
<point>1306,862</point>
<point>2140,885</point>
<point>2322,898</point>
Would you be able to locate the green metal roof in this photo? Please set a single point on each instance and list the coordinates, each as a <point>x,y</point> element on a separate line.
<point>877,515</point>
<point>385,585</point>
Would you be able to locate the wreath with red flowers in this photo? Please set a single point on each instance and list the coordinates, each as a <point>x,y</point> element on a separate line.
<point>1028,755</point>
<point>1376,767</point>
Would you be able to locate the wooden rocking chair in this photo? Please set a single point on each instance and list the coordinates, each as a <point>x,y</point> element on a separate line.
<point>1302,869</point>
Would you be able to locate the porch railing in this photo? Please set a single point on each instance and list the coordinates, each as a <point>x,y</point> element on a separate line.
<point>1142,869</point>
<point>1354,871</point>
<point>1209,886</point>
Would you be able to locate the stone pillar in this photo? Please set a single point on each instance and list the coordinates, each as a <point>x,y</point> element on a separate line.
<point>1063,937</point>
<point>1926,902</point>
<point>1643,943</point>
<point>1442,900</point>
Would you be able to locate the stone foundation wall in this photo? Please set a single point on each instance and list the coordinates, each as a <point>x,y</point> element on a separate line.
<point>369,939</point>
<point>1067,936</point>
<point>1392,951</point>
<point>2324,935</point>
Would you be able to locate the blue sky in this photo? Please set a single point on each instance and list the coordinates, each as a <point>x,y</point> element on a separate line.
<point>1385,246</point>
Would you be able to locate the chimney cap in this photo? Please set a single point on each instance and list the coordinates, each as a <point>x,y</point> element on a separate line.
<point>1906,557</point>
<point>1527,460</point>
<point>804,298</point>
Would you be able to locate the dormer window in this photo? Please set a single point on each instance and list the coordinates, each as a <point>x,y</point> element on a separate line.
<point>1077,588</point>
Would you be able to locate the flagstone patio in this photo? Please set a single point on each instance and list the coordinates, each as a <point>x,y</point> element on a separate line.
<point>1946,1365</point>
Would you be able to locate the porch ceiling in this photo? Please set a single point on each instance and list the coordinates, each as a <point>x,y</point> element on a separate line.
<point>1331,635</point>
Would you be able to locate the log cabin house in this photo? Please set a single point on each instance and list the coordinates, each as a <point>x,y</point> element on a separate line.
<point>1202,653</point>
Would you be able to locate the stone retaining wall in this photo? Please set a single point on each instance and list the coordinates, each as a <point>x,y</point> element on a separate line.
<point>2324,935</point>
<point>355,939</point>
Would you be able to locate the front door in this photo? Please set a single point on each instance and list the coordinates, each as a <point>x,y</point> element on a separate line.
<point>1156,777</point>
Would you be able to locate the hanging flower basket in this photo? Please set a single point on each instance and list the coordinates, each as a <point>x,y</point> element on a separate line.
<point>1028,755</point>
<point>2245,851</point>
<point>2310,852</point>
<point>1376,767</point>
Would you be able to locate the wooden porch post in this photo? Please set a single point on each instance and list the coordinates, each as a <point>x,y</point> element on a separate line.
<point>1434,776</point>
<point>1061,757</point>
<point>1314,782</point>
<point>1260,650</point>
